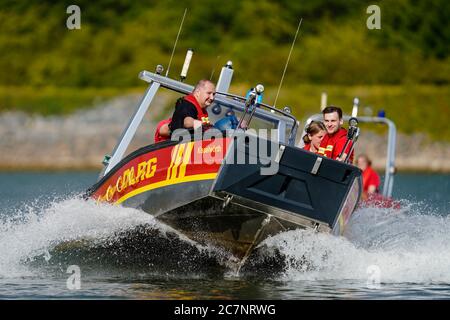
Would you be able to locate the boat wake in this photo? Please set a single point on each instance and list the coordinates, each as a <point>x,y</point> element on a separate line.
<point>400,246</point>
<point>404,246</point>
<point>95,237</point>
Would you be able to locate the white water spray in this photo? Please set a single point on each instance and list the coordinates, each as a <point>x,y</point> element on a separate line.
<point>405,246</point>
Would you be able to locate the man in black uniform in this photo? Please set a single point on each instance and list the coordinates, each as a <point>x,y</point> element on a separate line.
<point>190,111</point>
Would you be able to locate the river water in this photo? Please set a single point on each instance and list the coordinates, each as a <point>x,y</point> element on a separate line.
<point>47,230</point>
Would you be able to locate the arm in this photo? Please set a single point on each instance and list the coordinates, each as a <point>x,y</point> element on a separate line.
<point>190,122</point>
<point>373,182</point>
<point>164,131</point>
<point>372,189</point>
<point>340,146</point>
<point>184,116</point>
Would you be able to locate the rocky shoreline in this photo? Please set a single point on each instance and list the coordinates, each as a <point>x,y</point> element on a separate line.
<point>79,141</point>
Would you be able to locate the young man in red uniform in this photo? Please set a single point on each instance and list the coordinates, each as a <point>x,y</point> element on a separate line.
<point>190,111</point>
<point>334,141</point>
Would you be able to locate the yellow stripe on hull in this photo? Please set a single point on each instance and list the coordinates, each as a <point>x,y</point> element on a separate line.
<point>156,185</point>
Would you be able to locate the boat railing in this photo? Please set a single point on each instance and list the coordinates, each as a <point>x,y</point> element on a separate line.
<point>267,116</point>
<point>156,80</point>
<point>237,102</point>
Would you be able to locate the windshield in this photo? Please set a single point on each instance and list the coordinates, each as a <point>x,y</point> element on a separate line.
<point>219,111</point>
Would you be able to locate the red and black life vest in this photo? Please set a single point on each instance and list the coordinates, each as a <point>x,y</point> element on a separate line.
<point>202,114</point>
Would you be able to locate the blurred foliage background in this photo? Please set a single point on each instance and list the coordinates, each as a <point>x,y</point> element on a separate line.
<point>403,68</point>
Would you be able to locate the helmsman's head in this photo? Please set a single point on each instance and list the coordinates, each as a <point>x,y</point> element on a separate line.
<point>204,92</point>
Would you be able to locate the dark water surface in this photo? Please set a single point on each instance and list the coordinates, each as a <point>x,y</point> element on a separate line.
<point>126,254</point>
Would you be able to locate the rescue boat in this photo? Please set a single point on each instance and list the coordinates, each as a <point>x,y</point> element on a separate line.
<point>230,188</point>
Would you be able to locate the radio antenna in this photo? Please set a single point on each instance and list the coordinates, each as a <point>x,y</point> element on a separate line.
<point>176,40</point>
<point>287,62</point>
<point>214,68</point>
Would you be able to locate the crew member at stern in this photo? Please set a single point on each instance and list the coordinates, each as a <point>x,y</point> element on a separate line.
<point>162,131</point>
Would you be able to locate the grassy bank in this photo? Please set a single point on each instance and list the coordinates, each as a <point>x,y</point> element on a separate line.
<point>117,38</point>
